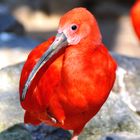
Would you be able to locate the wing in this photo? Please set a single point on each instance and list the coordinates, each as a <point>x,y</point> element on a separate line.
<point>47,79</point>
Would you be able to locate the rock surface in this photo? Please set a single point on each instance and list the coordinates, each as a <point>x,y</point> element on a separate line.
<point>10,110</point>
<point>17,132</point>
<point>118,115</point>
<point>45,132</point>
<point>29,132</point>
<point>128,81</point>
<point>121,136</point>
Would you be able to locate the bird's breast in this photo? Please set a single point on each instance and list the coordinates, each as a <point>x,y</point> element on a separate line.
<point>83,80</point>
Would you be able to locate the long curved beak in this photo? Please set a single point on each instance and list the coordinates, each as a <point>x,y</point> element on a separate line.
<point>59,43</point>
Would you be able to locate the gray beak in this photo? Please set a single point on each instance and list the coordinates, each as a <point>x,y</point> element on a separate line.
<point>59,43</point>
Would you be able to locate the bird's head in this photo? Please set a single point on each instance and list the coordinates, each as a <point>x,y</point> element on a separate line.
<point>79,24</point>
<point>75,26</point>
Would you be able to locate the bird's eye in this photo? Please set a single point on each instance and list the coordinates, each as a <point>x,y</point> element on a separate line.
<point>74,27</point>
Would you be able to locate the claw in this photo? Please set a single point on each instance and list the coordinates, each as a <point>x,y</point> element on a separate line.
<point>56,119</point>
<point>50,116</point>
<point>62,122</point>
<point>52,119</point>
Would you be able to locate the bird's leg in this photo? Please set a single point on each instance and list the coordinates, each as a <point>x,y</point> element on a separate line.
<point>55,112</point>
<point>77,132</point>
<point>74,137</point>
<point>54,120</point>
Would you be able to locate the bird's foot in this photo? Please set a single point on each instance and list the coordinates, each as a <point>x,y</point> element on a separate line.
<point>50,116</point>
<point>54,120</point>
<point>74,138</point>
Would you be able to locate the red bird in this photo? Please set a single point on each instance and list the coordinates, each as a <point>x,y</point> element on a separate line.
<point>135,17</point>
<point>67,79</point>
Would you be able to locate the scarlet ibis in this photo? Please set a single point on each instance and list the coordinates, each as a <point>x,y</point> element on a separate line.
<point>135,17</point>
<point>67,79</point>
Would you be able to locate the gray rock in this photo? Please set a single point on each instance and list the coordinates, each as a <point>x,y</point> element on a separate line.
<point>17,132</point>
<point>29,132</point>
<point>45,132</point>
<point>128,81</point>
<point>10,109</point>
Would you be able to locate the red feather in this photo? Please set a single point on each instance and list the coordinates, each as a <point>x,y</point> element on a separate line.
<point>74,85</point>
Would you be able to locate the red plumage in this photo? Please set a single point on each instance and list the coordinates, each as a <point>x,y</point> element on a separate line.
<point>72,86</point>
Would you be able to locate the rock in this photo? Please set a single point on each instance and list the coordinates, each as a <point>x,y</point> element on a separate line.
<point>10,109</point>
<point>8,23</point>
<point>119,113</point>
<point>17,132</point>
<point>121,136</point>
<point>29,132</point>
<point>45,132</point>
<point>128,81</point>
<point>14,49</point>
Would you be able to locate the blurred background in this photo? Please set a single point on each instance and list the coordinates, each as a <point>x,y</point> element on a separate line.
<point>26,23</point>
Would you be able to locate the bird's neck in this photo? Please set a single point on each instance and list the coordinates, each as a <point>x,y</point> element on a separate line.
<point>77,62</point>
